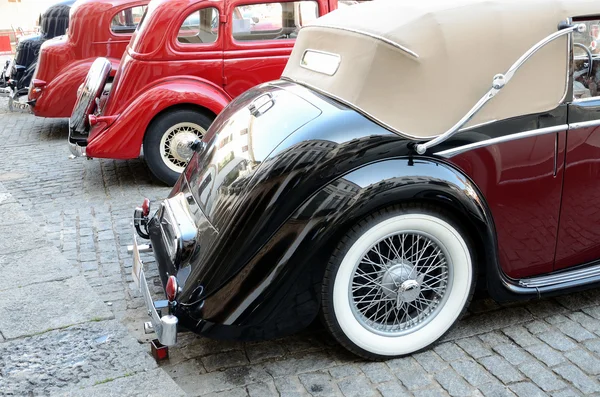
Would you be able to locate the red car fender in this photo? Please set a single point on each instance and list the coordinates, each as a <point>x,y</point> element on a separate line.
<point>57,98</point>
<point>123,138</point>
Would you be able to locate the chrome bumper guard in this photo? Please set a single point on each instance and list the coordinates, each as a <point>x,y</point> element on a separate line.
<point>75,149</point>
<point>165,326</point>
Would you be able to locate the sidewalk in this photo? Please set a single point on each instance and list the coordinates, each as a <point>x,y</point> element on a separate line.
<point>57,336</point>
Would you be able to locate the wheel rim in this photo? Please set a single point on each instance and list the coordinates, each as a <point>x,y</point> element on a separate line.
<point>174,145</point>
<point>400,283</point>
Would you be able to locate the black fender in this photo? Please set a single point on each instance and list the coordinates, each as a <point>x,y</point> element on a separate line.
<point>300,249</point>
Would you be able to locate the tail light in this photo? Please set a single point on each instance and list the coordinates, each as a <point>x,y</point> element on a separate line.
<point>171,289</point>
<point>146,207</point>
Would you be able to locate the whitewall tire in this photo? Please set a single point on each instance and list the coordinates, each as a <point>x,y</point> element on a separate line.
<point>397,282</point>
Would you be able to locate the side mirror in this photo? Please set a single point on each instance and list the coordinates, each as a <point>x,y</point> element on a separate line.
<point>197,145</point>
<point>255,19</point>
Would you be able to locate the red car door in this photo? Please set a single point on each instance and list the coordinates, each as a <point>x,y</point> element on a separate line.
<point>259,37</point>
<point>579,228</point>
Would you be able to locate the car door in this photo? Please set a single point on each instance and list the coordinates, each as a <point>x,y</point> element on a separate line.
<point>197,49</point>
<point>260,35</point>
<point>579,228</point>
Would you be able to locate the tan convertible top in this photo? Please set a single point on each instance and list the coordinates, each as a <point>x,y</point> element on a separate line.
<point>418,66</point>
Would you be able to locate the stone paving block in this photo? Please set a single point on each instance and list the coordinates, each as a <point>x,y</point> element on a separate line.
<point>297,365</point>
<point>474,347</point>
<point>546,354</point>
<point>262,389</point>
<point>495,389</point>
<point>537,326</point>
<point>377,372</point>
<point>344,371</point>
<point>454,384</point>
<point>154,383</point>
<point>58,304</point>
<point>78,356</point>
<point>472,372</point>
<point>501,369</point>
<point>574,375</point>
<point>557,340</point>
<point>12,214</point>
<point>512,353</point>
<point>237,392</point>
<point>358,386</point>
<point>575,331</point>
<point>290,386</point>
<point>520,335</point>
<point>33,266</point>
<point>392,389</point>
<point>430,361</point>
<point>527,389</point>
<point>224,360</point>
<point>588,322</point>
<point>226,380</point>
<point>319,384</point>
<point>410,373</point>
<point>435,391</point>
<point>566,393</point>
<point>494,338</point>
<point>450,352</point>
<point>542,377</point>
<point>584,360</point>
<point>487,322</point>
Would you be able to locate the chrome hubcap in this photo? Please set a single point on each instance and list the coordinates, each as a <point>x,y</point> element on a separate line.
<point>400,283</point>
<point>175,144</point>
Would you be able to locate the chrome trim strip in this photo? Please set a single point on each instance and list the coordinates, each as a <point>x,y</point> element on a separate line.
<point>563,277</point>
<point>375,36</point>
<point>506,138</point>
<point>584,124</point>
<point>499,82</point>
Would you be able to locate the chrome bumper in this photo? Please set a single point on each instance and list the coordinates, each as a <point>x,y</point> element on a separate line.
<point>165,326</point>
<point>76,150</point>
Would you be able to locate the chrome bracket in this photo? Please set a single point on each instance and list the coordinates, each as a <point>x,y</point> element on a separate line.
<point>499,82</point>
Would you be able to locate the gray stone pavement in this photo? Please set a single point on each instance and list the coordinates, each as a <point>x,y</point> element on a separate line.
<point>548,347</point>
<point>57,337</point>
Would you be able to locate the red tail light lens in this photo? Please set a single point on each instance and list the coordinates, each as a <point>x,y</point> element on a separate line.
<point>146,207</point>
<point>171,288</point>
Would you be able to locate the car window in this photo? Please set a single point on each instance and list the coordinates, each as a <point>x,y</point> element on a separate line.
<point>200,27</point>
<point>586,59</point>
<point>126,21</point>
<point>272,21</point>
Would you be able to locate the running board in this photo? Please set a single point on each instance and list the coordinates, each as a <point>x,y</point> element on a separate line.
<point>565,278</point>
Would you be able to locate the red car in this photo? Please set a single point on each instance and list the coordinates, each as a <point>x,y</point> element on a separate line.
<point>96,28</point>
<point>186,62</point>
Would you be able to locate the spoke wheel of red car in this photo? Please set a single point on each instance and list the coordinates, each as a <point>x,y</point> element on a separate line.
<point>397,282</point>
<point>166,144</point>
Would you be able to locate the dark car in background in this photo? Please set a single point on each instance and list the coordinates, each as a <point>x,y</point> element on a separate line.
<point>17,73</point>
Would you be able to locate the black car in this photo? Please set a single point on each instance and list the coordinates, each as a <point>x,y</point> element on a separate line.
<point>410,151</point>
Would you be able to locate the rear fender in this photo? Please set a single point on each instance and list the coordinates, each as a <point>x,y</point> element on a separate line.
<point>58,97</point>
<point>123,138</point>
<point>317,226</point>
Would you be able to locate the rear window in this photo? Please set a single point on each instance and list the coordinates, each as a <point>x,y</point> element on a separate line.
<point>200,27</point>
<point>272,21</point>
<point>127,20</point>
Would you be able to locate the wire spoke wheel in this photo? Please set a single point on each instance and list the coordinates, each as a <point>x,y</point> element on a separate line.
<point>399,283</point>
<point>174,145</point>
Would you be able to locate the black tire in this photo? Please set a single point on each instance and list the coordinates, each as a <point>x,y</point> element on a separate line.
<point>154,135</point>
<point>373,344</point>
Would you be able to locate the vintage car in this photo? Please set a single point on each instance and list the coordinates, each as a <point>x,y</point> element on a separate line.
<point>186,62</point>
<point>410,151</point>
<point>97,28</point>
<point>17,73</point>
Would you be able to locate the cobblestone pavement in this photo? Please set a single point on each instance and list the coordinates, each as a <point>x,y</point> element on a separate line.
<point>548,347</point>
